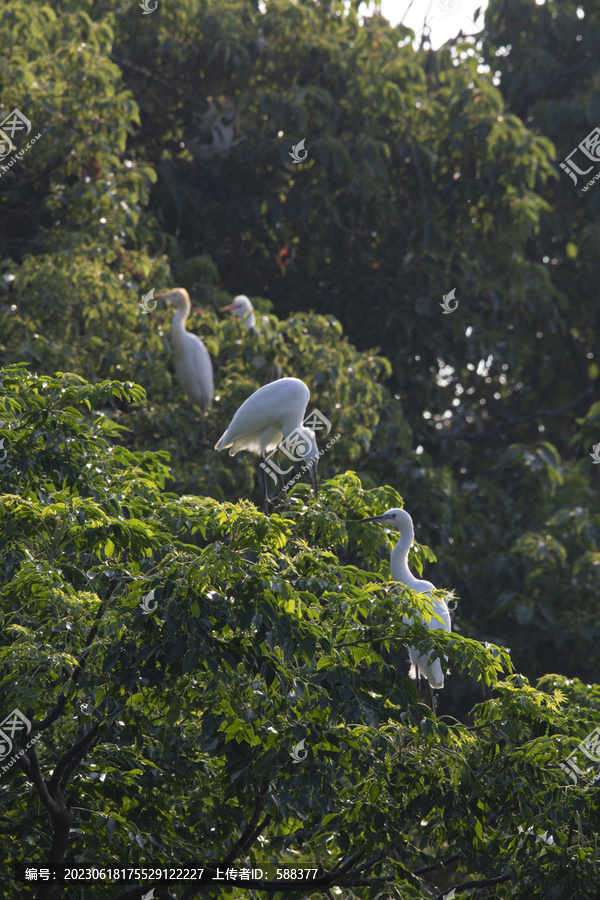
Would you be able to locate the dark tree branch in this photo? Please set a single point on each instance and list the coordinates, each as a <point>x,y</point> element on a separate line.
<point>484,882</point>
<point>345,867</point>
<point>370,862</point>
<point>71,759</point>
<point>79,668</point>
<point>25,765</point>
<point>41,784</point>
<point>251,831</point>
<point>438,865</point>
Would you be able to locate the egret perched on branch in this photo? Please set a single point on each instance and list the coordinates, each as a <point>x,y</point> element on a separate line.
<point>270,417</point>
<point>243,309</point>
<point>192,362</point>
<point>400,520</point>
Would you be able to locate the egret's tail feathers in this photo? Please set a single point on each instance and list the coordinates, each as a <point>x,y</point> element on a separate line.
<point>420,666</point>
<point>434,675</point>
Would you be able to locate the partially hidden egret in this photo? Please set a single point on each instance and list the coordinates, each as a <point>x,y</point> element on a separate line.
<point>192,362</point>
<point>401,521</point>
<point>271,417</point>
<point>243,309</point>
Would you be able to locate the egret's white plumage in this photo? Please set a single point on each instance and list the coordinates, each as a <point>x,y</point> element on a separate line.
<point>400,520</point>
<point>192,362</point>
<point>272,414</point>
<point>243,309</point>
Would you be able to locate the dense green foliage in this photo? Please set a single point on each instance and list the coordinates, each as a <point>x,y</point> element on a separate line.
<point>259,638</point>
<point>164,160</point>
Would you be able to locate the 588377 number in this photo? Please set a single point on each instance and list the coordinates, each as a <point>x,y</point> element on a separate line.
<point>296,874</point>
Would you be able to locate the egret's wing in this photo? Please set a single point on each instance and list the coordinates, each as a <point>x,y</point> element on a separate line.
<point>194,370</point>
<point>266,410</point>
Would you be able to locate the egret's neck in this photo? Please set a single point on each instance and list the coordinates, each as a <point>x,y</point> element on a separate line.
<point>399,559</point>
<point>180,317</point>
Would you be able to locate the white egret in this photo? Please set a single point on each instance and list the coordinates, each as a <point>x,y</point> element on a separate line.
<point>272,417</point>
<point>243,309</point>
<point>400,520</point>
<point>192,362</point>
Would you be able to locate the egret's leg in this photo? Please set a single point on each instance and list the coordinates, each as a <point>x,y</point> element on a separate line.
<point>433,700</point>
<point>282,491</point>
<point>261,460</point>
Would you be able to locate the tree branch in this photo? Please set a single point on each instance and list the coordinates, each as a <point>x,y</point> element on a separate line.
<point>438,865</point>
<point>79,668</point>
<point>41,784</point>
<point>345,867</point>
<point>71,759</point>
<point>484,882</point>
<point>251,831</point>
<point>371,862</point>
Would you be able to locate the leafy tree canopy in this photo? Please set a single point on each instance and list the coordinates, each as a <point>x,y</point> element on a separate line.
<point>163,159</point>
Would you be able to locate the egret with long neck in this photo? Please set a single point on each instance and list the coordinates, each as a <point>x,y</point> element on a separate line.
<point>192,362</point>
<point>420,665</point>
